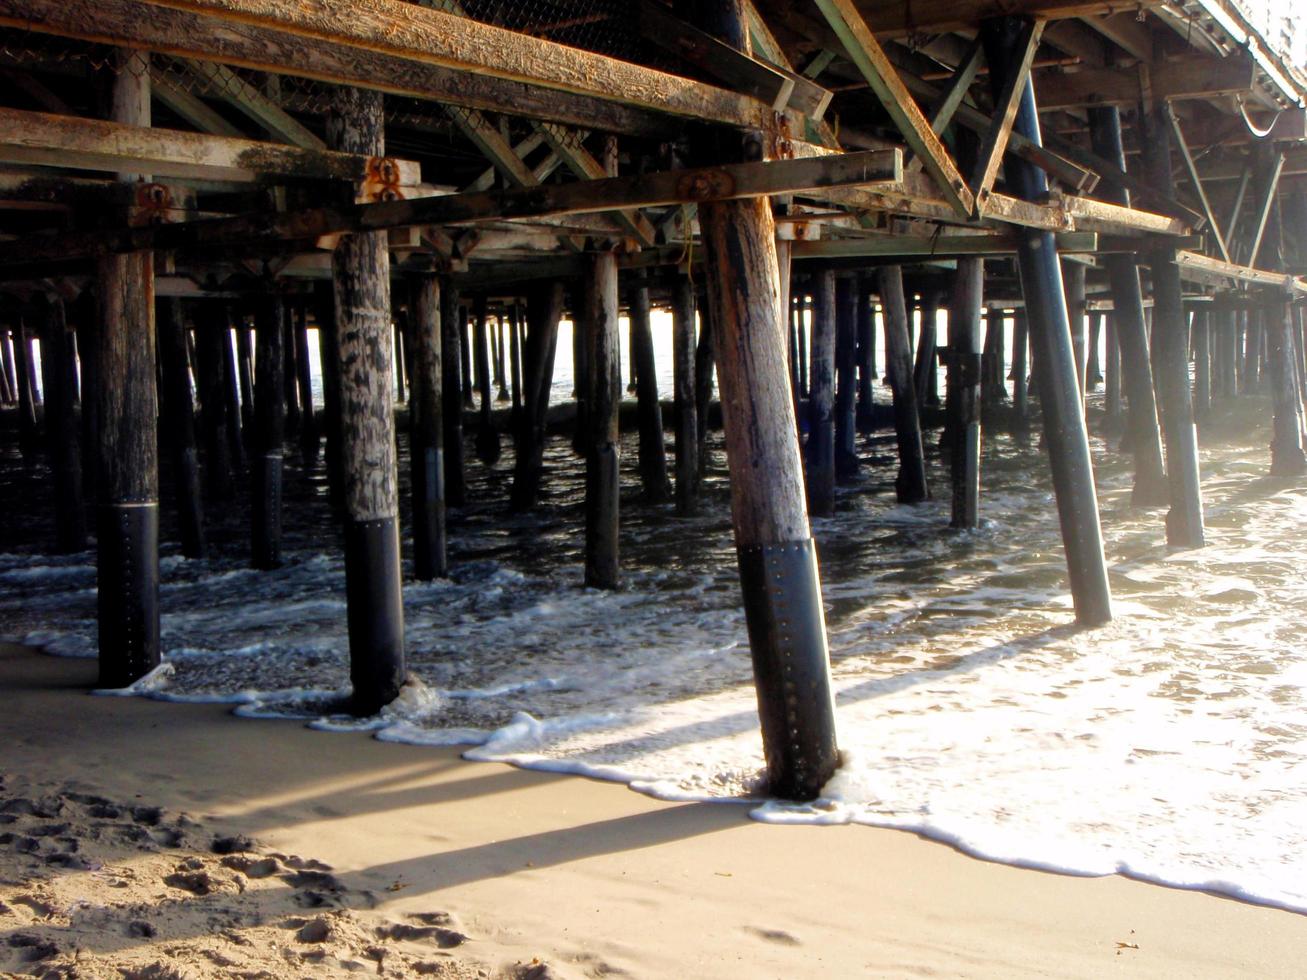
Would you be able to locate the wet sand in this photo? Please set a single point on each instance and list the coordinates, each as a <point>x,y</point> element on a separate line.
<point>404,861</point>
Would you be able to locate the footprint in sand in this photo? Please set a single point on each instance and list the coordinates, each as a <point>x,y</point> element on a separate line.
<point>778,936</point>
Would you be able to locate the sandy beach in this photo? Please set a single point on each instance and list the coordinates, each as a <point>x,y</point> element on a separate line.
<point>147,839</point>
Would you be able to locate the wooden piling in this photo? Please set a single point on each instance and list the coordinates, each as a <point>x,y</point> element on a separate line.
<point>924,375</point>
<point>1184,520</point>
<point>487,441</point>
<point>910,484</point>
<point>234,414</point>
<point>127,561</point>
<point>1094,365</point>
<point>515,325</point>
<point>290,370</point>
<point>1288,457</point>
<point>58,376</point>
<point>866,327</point>
<point>269,430</point>
<point>29,428</point>
<point>963,392</point>
<point>603,397</point>
<point>687,426</point>
<point>777,557</point>
<point>360,268</point>
<point>245,375</point>
<point>451,359</point>
<point>1202,348</point>
<point>178,417</point>
<point>1112,373</point>
<point>325,315</point>
<point>501,358</point>
<point>1020,370</point>
<point>465,358</point>
<point>1143,431</point>
<point>308,433</point>
<point>210,334</point>
<point>821,398</point>
<point>426,429</point>
<point>704,369</point>
<point>544,311</point>
<point>653,447</point>
<point>846,373</point>
<point>1073,278</point>
<point>8,378</point>
<point>1050,337</point>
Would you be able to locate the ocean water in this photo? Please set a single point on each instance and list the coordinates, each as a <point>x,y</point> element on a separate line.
<point>1169,745</point>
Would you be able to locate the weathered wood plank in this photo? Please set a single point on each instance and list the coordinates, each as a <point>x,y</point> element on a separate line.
<point>728,182</point>
<point>94,144</point>
<point>865,51</point>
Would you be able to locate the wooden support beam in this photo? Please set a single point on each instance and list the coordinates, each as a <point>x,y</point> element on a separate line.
<point>431,37</point>
<point>234,90</point>
<point>570,149</point>
<point>958,87</point>
<point>1192,168</point>
<point>734,181</point>
<point>1214,272</point>
<point>1126,31</point>
<point>1006,103</point>
<point>1270,182</point>
<point>190,106</point>
<point>361,285</point>
<point>94,144</point>
<point>734,69</point>
<point>185,34</point>
<point>866,53</point>
<point>935,247</point>
<point>1186,78</point>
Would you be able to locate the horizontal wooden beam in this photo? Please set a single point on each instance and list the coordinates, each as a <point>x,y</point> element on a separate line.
<point>873,167</point>
<point>432,37</point>
<point>936,246</point>
<point>94,144</point>
<point>734,69</point>
<point>934,16</point>
<point>132,24</point>
<point>1188,78</point>
<point>1201,268</point>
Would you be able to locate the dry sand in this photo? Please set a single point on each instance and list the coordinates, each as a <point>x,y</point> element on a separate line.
<point>346,855</point>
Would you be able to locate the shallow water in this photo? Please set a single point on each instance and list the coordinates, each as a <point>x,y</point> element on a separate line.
<point>1168,745</point>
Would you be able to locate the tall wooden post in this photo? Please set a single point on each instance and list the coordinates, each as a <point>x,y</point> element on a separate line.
<point>910,484</point>
<point>581,376</point>
<point>778,563</point>
<point>290,369</point>
<point>245,374</point>
<point>515,325</point>
<point>29,430</point>
<point>1227,345</point>
<point>602,452</point>
<point>1202,345</point>
<point>964,392</point>
<point>805,325</point>
<point>235,414</point>
<point>923,372</point>
<point>58,375</point>
<point>1094,366</point>
<point>210,335</point>
<point>1287,447</point>
<point>687,426</point>
<point>1143,434</point>
<point>324,312</point>
<point>360,270</point>
<point>1073,275</point>
<point>178,415</point>
<point>846,373</point>
<point>269,431</point>
<point>426,429</point>
<point>308,434</point>
<point>127,563</point>
<point>1050,336</point>
<point>8,378</point>
<point>866,327</point>
<point>1184,521</point>
<point>821,400</point>
<point>653,448</point>
<point>487,441</point>
<point>544,310</point>
<point>401,375</point>
<point>1020,369</point>
<point>1112,373</point>
<point>704,368</point>
<point>993,387</point>
<point>451,359</point>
